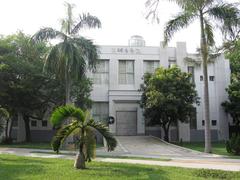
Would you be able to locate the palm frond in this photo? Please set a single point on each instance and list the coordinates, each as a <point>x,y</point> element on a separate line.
<point>88,21</point>
<point>45,34</point>
<point>62,134</point>
<point>208,29</point>
<point>64,112</point>
<point>182,20</point>
<point>88,51</point>
<point>104,131</point>
<point>228,15</point>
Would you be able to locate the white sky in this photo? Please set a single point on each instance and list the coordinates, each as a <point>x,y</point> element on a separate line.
<point>120,19</point>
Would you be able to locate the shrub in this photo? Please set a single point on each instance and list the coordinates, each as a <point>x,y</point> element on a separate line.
<point>233,145</point>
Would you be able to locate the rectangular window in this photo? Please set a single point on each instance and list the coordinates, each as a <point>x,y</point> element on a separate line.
<point>101,75</point>
<point>126,72</point>
<point>171,62</point>
<point>201,78</point>
<point>44,123</point>
<point>193,119</point>
<point>214,122</point>
<point>33,123</point>
<point>211,78</point>
<point>150,66</point>
<point>100,111</point>
<point>203,122</point>
<point>191,71</point>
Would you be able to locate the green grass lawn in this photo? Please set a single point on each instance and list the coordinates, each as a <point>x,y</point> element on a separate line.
<point>16,167</point>
<point>217,147</point>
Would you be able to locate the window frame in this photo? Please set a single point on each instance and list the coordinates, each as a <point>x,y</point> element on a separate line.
<point>126,73</point>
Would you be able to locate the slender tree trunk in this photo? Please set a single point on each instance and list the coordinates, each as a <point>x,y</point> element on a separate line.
<point>204,52</point>
<point>67,88</point>
<point>166,129</point>
<point>80,158</point>
<point>27,127</point>
<point>6,129</point>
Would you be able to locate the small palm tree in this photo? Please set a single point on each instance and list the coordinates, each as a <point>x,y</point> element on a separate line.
<point>82,126</point>
<point>208,12</point>
<point>68,59</point>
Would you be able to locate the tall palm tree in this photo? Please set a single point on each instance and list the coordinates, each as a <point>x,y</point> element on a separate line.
<point>69,58</point>
<point>224,15</point>
<point>82,126</point>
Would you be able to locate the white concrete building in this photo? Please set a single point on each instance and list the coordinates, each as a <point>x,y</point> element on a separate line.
<point>116,91</point>
<point>117,83</point>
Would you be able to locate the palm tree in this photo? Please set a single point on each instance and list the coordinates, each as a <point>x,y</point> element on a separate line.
<point>68,59</point>
<point>82,126</point>
<point>224,15</point>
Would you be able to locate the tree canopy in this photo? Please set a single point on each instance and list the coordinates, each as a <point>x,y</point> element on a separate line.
<point>168,97</point>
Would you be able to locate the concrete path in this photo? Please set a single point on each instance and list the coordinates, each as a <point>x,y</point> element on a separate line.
<point>147,147</point>
<point>220,164</point>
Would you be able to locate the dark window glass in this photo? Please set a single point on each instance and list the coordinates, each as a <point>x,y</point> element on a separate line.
<point>201,78</point>
<point>214,122</point>
<point>193,119</point>
<point>211,78</point>
<point>203,122</point>
<point>33,123</point>
<point>44,123</point>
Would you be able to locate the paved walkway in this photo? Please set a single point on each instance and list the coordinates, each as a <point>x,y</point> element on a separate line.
<point>149,146</point>
<point>220,164</point>
<point>144,146</point>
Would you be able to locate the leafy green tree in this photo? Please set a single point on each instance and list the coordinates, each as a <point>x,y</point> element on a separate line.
<point>69,59</point>
<point>232,106</point>
<point>208,13</point>
<point>168,97</point>
<point>81,92</point>
<point>82,126</point>
<point>25,91</point>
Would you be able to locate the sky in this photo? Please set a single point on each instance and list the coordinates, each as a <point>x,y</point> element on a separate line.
<point>120,20</point>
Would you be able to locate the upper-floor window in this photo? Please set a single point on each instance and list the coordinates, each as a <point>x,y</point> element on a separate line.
<point>191,71</point>
<point>101,75</point>
<point>126,72</point>
<point>150,66</point>
<point>171,62</point>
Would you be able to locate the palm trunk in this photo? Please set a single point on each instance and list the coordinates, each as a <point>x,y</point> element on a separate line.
<point>68,89</point>
<point>204,52</point>
<point>80,158</point>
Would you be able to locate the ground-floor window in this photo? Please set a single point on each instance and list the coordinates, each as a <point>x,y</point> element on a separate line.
<point>100,111</point>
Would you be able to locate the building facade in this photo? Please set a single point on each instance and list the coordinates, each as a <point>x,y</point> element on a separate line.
<point>116,85</point>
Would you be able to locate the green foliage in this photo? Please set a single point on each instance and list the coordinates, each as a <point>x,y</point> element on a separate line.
<point>69,59</point>
<point>232,106</point>
<point>24,88</point>
<point>82,127</point>
<point>233,145</point>
<point>168,97</point>
<point>81,92</point>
